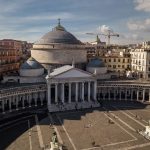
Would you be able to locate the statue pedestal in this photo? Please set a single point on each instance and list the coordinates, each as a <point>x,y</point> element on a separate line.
<point>147,130</point>
<point>54,146</point>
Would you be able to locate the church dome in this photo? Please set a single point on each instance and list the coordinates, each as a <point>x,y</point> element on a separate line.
<point>96,62</point>
<point>96,66</point>
<point>31,63</point>
<point>31,68</point>
<point>58,35</point>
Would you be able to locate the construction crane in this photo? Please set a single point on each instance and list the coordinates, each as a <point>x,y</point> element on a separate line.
<point>108,35</point>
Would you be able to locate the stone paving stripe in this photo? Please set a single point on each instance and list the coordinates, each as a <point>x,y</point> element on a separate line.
<point>58,135</point>
<point>30,140</point>
<point>39,132</point>
<point>67,134</point>
<point>130,117</point>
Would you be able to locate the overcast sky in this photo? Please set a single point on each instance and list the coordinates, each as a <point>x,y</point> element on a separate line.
<point>30,19</point>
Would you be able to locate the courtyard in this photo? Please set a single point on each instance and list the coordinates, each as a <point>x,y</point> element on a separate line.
<point>114,126</point>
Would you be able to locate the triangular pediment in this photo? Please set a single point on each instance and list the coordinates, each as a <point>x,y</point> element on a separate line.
<point>73,73</point>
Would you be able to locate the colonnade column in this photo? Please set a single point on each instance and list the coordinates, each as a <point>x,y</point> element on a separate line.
<point>30,98</point>
<point>120,92</point>
<point>149,95</point>
<point>17,102</point>
<point>62,92</point>
<point>131,94</point>
<point>143,95</point>
<point>49,94</point>
<point>114,94</point>
<point>137,94</point>
<point>82,91</point>
<point>69,96</point>
<point>126,94</point>
<point>41,98</point>
<point>3,106</point>
<point>35,98</point>
<point>89,91</point>
<point>95,90</point>
<point>23,98</point>
<point>76,96</point>
<point>109,94</point>
<point>9,101</point>
<point>56,92</point>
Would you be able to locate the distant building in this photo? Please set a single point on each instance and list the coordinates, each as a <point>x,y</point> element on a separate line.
<point>146,44</point>
<point>15,44</point>
<point>26,46</point>
<point>118,61</point>
<point>26,49</point>
<point>140,63</point>
<point>9,59</point>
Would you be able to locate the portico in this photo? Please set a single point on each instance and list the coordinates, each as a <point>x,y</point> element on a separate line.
<point>69,86</point>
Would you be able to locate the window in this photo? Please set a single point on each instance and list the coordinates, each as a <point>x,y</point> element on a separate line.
<point>114,66</point>
<point>149,69</point>
<point>109,60</point>
<point>128,66</point>
<point>114,59</point>
<point>123,60</point>
<point>118,60</point>
<point>122,66</point>
<point>118,66</point>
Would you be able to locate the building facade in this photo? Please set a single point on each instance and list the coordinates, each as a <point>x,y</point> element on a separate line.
<point>117,60</point>
<point>141,62</point>
<point>9,60</point>
<point>15,44</point>
<point>117,63</point>
<point>70,88</point>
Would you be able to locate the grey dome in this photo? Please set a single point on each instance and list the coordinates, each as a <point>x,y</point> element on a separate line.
<point>58,35</point>
<point>96,62</point>
<point>31,63</point>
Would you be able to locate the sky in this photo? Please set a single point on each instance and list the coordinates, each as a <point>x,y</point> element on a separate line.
<point>29,20</point>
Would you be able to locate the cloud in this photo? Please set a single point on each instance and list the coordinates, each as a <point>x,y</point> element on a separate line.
<point>105,29</point>
<point>18,26</point>
<point>35,18</point>
<point>139,25</point>
<point>143,5</point>
<point>13,5</point>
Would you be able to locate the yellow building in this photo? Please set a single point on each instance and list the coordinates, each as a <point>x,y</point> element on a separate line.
<point>117,63</point>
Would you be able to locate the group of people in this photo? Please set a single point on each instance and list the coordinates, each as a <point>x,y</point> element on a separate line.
<point>59,106</point>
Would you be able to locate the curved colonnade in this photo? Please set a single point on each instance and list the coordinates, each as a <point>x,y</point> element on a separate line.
<point>123,91</point>
<point>22,97</point>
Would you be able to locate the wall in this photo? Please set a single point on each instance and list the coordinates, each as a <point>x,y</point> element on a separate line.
<point>31,72</point>
<point>59,56</point>
<point>98,70</point>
